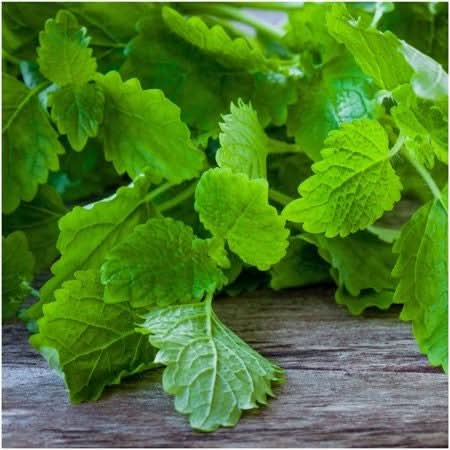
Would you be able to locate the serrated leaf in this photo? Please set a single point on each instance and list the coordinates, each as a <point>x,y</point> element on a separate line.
<point>339,93</point>
<point>360,261</point>
<point>369,298</point>
<point>243,143</point>
<point>87,234</point>
<point>353,185</point>
<point>234,53</point>
<point>378,54</point>
<point>78,111</point>
<point>160,263</point>
<point>142,129</point>
<point>17,272</point>
<point>64,56</point>
<point>38,219</point>
<point>213,374</point>
<point>30,145</point>
<point>424,124</point>
<point>236,209</point>
<point>422,269</point>
<point>89,343</point>
<point>302,266</point>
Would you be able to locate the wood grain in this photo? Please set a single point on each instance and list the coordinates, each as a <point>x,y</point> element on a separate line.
<point>351,382</point>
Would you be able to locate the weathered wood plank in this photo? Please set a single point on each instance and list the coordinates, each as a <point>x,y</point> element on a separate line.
<point>350,382</point>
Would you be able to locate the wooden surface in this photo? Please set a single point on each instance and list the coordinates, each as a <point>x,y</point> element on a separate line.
<point>350,382</point>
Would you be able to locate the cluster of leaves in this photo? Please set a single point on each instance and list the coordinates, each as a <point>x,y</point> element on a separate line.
<point>194,138</point>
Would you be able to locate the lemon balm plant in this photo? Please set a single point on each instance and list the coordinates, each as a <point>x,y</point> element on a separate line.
<point>154,155</point>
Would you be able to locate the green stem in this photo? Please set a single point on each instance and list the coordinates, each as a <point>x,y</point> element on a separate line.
<point>40,87</point>
<point>276,146</point>
<point>230,12</point>
<point>177,199</point>
<point>279,197</point>
<point>397,146</point>
<point>270,6</point>
<point>158,191</point>
<point>12,59</point>
<point>426,176</point>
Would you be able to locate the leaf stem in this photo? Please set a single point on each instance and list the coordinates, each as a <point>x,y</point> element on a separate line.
<point>397,146</point>
<point>270,6</point>
<point>276,146</point>
<point>279,197</point>
<point>12,59</point>
<point>40,87</point>
<point>174,201</point>
<point>426,176</point>
<point>158,191</point>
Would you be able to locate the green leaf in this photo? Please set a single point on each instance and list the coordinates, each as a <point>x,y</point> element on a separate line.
<point>378,54</point>
<point>235,53</point>
<point>422,269</point>
<point>243,143</point>
<point>78,111</point>
<point>38,219</point>
<point>142,129</point>
<point>366,299</point>
<point>160,263</point>
<point>424,123</point>
<point>17,272</point>
<point>87,234</point>
<point>353,185</point>
<point>302,266</point>
<point>236,209</point>
<point>30,145</point>
<point>339,93</point>
<point>360,261</point>
<point>89,343</point>
<point>64,56</point>
<point>212,373</point>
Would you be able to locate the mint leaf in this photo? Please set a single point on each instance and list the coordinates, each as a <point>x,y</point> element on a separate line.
<point>160,263</point>
<point>38,219</point>
<point>64,56</point>
<point>88,232</point>
<point>366,299</point>
<point>353,185</point>
<point>243,143</point>
<point>212,373</point>
<point>235,209</point>
<point>30,145</point>
<point>17,272</point>
<point>142,130</point>
<point>89,343</point>
<point>78,111</point>
<point>422,269</point>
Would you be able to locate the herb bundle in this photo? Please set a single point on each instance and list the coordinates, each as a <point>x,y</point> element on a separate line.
<point>156,155</point>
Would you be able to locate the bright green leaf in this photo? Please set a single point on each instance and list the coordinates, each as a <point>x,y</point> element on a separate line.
<point>89,343</point>
<point>212,373</point>
<point>236,209</point>
<point>160,263</point>
<point>366,299</point>
<point>422,269</point>
<point>243,143</point>
<point>353,185</point>
<point>142,129</point>
<point>64,56</point>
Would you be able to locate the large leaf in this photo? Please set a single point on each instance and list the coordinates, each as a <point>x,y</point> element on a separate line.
<point>212,373</point>
<point>352,186</point>
<point>142,129</point>
<point>160,263</point>
<point>235,209</point>
<point>422,269</point>
<point>30,145</point>
<point>89,343</point>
